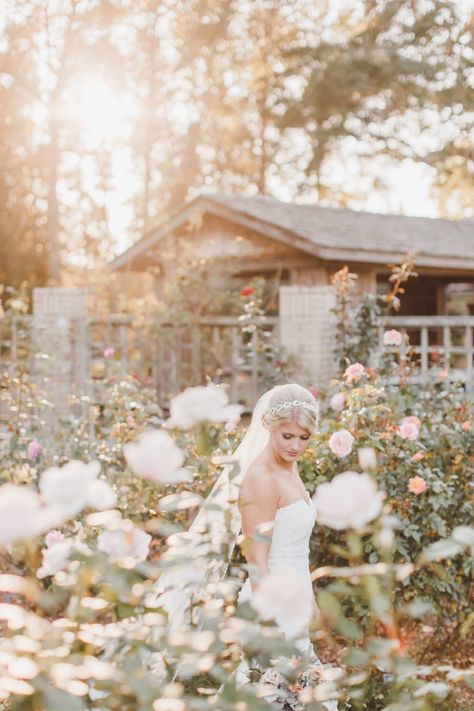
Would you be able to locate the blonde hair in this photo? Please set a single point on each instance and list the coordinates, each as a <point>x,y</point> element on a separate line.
<point>292,402</point>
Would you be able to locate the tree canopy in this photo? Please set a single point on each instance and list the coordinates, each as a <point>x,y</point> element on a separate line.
<point>116,112</point>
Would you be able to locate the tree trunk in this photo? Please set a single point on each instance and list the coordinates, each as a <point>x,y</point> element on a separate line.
<point>53,217</point>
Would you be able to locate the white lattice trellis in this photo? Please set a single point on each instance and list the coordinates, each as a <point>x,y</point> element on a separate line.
<point>60,344</point>
<point>307,328</point>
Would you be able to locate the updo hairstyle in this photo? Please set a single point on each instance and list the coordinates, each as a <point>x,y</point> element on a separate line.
<point>283,408</point>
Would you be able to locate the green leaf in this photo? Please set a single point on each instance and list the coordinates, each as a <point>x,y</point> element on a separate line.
<point>56,700</point>
<point>463,535</point>
<point>177,502</point>
<point>330,604</point>
<point>349,628</point>
<point>442,549</point>
<point>435,688</point>
<point>417,608</point>
<point>355,658</point>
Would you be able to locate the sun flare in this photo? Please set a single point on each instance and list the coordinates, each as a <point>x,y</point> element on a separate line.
<point>99,110</point>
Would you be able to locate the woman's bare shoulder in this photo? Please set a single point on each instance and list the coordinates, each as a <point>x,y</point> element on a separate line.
<point>259,480</point>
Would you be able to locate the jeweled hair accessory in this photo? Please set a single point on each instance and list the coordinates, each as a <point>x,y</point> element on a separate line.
<point>291,403</point>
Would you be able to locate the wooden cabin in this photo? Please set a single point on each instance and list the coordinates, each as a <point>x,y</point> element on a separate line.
<point>306,244</point>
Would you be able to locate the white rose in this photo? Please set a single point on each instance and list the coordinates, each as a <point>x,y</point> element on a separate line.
<point>53,536</point>
<point>156,456</point>
<point>22,515</point>
<point>55,558</point>
<point>349,500</point>
<point>367,458</point>
<point>202,404</point>
<point>74,486</point>
<point>66,486</point>
<point>125,542</point>
<point>100,495</point>
<point>286,597</point>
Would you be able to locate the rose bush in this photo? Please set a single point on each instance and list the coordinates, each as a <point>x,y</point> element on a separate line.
<point>80,623</point>
<point>94,607</point>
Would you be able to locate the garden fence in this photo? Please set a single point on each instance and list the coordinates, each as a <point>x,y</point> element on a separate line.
<point>162,355</point>
<point>169,357</point>
<point>437,343</point>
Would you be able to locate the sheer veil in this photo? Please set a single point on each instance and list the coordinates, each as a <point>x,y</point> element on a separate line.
<point>216,527</point>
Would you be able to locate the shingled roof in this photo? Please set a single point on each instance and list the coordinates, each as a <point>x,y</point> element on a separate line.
<point>331,233</point>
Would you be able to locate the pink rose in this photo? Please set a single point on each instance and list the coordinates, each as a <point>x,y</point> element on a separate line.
<point>417,457</point>
<point>34,449</point>
<point>109,352</point>
<point>341,443</point>
<point>354,372</point>
<point>416,485</point>
<point>337,402</point>
<point>413,419</point>
<point>444,374</point>
<point>408,430</point>
<point>130,421</point>
<point>392,338</point>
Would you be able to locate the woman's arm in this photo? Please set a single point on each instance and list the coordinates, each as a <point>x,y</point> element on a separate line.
<point>257,504</point>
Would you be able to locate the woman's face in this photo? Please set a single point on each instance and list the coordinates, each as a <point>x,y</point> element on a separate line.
<point>289,441</point>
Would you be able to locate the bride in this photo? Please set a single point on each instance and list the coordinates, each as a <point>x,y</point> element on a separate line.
<point>272,492</point>
<point>269,490</point>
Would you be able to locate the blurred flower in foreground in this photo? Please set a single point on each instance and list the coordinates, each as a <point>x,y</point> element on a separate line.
<point>34,449</point>
<point>55,556</point>
<point>202,404</point>
<point>22,515</point>
<point>340,443</point>
<point>74,486</point>
<point>109,352</point>
<point>155,456</point>
<point>286,597</point>
<point>125,542</point>
<point>392,338</point>
<point>349,500</point>
<point>417,485</point>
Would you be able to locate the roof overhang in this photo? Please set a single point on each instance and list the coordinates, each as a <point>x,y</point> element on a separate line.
<point>267,229</point>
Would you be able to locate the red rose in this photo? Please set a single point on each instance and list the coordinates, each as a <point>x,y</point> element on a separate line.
<point>247,290</point>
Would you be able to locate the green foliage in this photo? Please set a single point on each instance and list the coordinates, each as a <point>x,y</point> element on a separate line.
<point>88,634</point>
<point>442,456</point>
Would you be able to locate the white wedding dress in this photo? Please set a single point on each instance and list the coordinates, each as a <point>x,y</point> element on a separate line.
<point>289,549</point>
